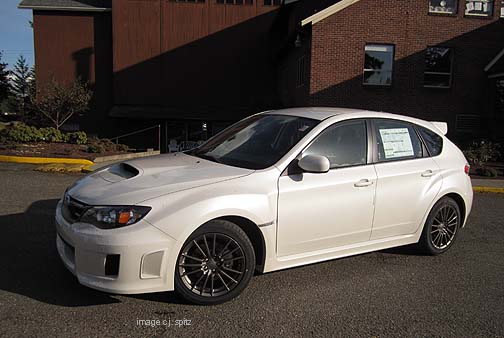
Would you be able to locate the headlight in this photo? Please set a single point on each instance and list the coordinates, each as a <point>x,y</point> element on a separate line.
<point>114,217</point>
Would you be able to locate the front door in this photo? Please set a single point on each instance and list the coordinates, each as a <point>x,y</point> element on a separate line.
<point>333,209</point>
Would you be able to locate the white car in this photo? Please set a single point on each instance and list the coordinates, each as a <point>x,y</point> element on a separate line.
<point>274,191</point>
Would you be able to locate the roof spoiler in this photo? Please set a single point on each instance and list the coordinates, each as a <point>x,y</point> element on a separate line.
<point>441,126</point>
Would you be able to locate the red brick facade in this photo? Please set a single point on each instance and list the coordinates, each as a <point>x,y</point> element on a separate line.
<point>337,60</point>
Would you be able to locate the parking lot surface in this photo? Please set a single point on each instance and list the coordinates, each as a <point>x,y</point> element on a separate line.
<point>392,293</point>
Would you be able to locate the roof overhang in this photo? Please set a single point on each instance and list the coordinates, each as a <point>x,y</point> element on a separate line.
<point>328,12</point>
<point>69,6</point>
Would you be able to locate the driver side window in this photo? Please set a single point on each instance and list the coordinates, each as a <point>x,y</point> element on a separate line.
<point>344,144</point>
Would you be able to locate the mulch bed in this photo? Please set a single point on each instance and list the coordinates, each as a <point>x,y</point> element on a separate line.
<point>52,150</point>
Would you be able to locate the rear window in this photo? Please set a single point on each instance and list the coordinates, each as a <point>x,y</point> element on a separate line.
<point>396,140</point>
<point>433,141</point>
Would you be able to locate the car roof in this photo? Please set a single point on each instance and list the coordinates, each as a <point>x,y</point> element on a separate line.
<point>323,113</point>
<point>317,113</point>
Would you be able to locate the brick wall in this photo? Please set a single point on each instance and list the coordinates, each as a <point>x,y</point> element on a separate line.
<point>338,59</point>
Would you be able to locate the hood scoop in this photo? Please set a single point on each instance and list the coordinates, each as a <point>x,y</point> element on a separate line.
<point>118,172</point>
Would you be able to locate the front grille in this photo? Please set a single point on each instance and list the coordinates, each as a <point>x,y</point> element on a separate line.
<point>72,210</point>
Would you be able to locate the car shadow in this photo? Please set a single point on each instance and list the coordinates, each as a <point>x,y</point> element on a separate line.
<point>30,265</point>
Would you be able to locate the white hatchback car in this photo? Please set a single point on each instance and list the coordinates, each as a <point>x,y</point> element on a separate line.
<point>276,190</point>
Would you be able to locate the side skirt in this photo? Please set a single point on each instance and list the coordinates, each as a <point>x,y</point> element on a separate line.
<point>279,263</point>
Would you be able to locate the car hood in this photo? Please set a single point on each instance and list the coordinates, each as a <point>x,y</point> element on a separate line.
<point>134,181</point>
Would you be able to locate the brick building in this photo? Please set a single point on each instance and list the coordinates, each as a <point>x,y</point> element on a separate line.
<point>185,64</point>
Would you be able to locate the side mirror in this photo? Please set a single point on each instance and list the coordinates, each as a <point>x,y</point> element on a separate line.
<point>314,164</point>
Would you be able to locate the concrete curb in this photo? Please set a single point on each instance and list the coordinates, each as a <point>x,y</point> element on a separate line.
<point>44,160</point>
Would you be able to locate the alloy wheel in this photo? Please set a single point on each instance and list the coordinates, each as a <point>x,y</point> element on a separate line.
<point>212,265</point>
<point>444,227</point>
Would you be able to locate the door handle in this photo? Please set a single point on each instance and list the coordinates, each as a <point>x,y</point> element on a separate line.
<point>428,173</point>
<point>363,183</point>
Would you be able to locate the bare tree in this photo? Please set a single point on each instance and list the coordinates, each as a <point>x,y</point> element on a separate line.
<point>57,103</point>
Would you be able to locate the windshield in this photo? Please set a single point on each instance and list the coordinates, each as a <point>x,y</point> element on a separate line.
<point>256,142</point>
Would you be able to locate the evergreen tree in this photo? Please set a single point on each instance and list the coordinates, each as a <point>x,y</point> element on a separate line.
<point>4,80</point>
<point>21,77</point>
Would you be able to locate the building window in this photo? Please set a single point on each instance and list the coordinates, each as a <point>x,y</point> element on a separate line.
<point>443,6</point>
<point>483,8</point>
<point>502,9</point>
<point>272,2</point>
<point>438,67</point>
<point>301,71</point>
<point>236,2</point>
<point>193,1</point>
<point>378,65</point>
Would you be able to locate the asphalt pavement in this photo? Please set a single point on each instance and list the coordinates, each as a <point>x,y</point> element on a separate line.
<point>392,293</point>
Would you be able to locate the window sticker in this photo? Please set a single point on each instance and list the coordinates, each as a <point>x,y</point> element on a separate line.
<point>396,142</point>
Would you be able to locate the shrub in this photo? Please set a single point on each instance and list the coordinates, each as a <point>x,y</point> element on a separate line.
<point>21,132</point>
<point>105,145</point>
<point>481,152</point>
<point>78,137</point>
<point>487,172</point>
<point>51,135</point>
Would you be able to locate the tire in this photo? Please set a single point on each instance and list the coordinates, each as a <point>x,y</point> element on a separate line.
<point>441,227</point>
<point>215,264</point>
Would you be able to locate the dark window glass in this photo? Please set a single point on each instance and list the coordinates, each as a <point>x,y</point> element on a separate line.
<point>482,8</point>
<point>378,64</point>
<point>433,141</point>
<point>344,144</point>
<point>272,2</point>
<point>438,67</point>
<point>396,140</point>
<point>199,1</point>
<point>257,142</point>
<point>302,71</point>
<point>443,6</point>
<point>236,2</point>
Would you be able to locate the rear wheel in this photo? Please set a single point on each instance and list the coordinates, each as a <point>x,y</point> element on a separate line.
<point>215,263</point>
<point>441,228</point>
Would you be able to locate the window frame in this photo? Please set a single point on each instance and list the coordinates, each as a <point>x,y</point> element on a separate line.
<point>452,61</point>
<point>454,14</point>
<point>392,71</point>
<point>244,2</point>
<point>480,16</point>
<point>426,150</point>
<point>196,2</point>
<point>272,3</point>
<point>393,160</point>
<point>293,169</point>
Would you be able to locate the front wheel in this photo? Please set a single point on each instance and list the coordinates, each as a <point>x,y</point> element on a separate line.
<point>441,228</point>
<point>215,264</point>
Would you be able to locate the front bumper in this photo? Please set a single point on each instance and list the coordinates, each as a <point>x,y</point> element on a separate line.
<point>129,260</point>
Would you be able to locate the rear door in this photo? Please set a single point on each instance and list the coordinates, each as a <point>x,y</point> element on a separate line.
<point>408,179</point>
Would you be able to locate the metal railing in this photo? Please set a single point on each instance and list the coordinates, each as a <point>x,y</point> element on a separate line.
<point>116,138</point>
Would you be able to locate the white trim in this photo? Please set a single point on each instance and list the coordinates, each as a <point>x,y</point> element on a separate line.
<point>70,9</point>
<point>328,12</point>
<point>494,61</point>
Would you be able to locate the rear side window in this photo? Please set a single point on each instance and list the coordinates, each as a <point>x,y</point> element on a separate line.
<point>396,140</point>
<point>433,141</point>
<point>344,144</point>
